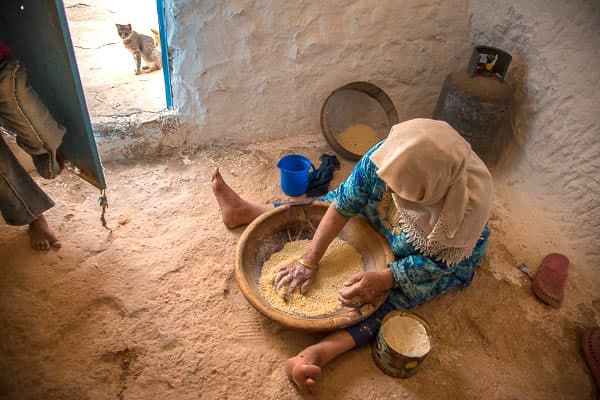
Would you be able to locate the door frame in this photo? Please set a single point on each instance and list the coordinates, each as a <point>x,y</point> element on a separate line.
<point>164,50</point>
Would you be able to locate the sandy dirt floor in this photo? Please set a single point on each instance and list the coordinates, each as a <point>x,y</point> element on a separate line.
<point>112,90</point>
<point>152,309</point>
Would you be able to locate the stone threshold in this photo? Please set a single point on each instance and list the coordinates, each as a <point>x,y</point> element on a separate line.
<point>135,134</point>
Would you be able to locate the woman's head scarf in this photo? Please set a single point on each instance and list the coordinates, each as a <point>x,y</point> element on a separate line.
<point>441,188</point>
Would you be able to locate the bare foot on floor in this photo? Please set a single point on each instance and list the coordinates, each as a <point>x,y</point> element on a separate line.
<point>40,235</point>
<point>235,211</point>
<point>304,374</point>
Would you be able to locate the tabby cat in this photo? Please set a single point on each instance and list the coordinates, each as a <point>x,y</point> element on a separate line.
<point>140,46</point>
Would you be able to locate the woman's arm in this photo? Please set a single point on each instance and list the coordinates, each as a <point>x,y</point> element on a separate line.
<point>300,274</point>
<point>347,200</point>
<point>331,224</point>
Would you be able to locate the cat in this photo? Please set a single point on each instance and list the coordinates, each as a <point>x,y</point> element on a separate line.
<point>141,47</point>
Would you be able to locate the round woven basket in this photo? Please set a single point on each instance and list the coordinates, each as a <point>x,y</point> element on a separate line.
<point>269,233</point>
<point>346,104</point>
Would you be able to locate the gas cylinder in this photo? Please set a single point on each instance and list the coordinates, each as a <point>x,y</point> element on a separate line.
<point>477,102</point>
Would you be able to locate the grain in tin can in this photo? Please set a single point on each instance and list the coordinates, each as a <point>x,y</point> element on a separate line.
<point>403,342</point>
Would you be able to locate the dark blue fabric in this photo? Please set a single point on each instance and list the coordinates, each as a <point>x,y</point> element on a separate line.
<point>366,330</point>
<point>318,181</point>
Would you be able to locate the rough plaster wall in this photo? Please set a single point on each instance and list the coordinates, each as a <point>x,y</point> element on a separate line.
<point>556,50</point>
<point>249,70</point>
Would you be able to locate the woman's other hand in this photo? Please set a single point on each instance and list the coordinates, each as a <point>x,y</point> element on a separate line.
<point>365,287</point>
<point>297,276</point>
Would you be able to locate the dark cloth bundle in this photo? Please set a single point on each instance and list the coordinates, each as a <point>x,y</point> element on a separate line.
<point>318,181</point>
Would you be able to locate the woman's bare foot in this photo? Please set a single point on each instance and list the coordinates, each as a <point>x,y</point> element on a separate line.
<point>303,371</point>
<point>235,211</point>
<point>40,235</point>
<point>305,368</point>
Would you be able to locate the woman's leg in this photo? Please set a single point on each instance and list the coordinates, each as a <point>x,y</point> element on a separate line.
<point>235,211</point>
<point>305,368</point>
<point>41,236</point>
<point>25,114</point>
<point>22,202</point>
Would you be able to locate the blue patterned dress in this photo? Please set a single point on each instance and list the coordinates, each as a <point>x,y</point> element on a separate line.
<point>418,278</point>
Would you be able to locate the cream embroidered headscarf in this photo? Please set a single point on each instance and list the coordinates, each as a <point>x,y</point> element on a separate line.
<point>441,188</point>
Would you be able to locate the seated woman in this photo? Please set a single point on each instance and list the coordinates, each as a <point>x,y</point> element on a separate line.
<point>428,193</point>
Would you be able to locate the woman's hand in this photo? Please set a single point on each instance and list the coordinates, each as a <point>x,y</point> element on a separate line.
<point>366,287</point>
<point>296,275</point>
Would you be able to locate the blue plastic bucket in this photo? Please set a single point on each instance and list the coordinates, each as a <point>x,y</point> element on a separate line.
<point>295,171</point>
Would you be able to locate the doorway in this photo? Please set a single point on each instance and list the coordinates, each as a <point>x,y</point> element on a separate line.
<point>107,68</point>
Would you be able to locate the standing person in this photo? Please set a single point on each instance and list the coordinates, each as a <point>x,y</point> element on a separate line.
<point>23,114</point>
<point>426,191</point>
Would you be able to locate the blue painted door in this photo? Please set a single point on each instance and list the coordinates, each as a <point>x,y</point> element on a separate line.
<point>38,34</point>
<point>164,49</point>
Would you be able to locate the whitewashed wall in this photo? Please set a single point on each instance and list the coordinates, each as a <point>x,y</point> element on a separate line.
<point>249,70</point>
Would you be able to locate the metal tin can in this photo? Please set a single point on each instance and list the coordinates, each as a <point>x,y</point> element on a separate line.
<point>390,361</point>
